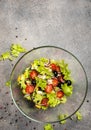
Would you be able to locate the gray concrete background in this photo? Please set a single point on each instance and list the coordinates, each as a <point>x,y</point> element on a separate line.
<point>32,23</point>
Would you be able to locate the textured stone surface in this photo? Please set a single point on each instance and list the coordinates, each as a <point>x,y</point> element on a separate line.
<point>63,23</point>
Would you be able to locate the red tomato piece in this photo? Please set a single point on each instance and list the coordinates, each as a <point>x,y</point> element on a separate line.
<point>44,102</point>
<point>60,79</point>
<point>58,68</point>
<point>49,88</point>
<point>53,66</point>
<point>55,82</point>
<point>60,94</point>
<point>33,74</point>
<point>29,89</point>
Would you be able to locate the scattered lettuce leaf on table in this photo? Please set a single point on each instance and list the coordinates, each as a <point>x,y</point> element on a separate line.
<point>6,55</point>
<point>62,118</point>
<point>16,49</point>
<point>78,115</point>
<point>48,127</point>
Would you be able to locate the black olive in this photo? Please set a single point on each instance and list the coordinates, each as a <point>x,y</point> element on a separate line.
<point>39,88</point>
<point>68,82</point>
<point>33,82</point>
<point>59,85</point>
<point>55,73</point>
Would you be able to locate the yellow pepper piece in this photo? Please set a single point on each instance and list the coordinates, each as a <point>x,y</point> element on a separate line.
<point>19,78</point>
<point>38,106</point>
<point>28,97</point>
<point>23,91</point>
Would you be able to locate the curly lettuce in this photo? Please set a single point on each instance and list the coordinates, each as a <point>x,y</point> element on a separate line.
<point>68,90</point>
<point>48,126</point>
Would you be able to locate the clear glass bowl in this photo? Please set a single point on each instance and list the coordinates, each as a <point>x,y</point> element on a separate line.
<point>73,103</point>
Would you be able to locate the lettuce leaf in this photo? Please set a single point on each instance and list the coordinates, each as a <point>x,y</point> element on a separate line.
<point>53,100</point>
<point>37,98</point>
<point>6,55</point>
<point>64,69</point>
<point>62,118</point>
<point>78,115</point>
<point>16,49</point>
<point>68,90</point>
<point>41,83</point>
<point>48,127</point>
<point>21,81</point>
<point>63,99</point>
<point>40,66</point>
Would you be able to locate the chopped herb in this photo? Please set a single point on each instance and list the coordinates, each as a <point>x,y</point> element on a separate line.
<point>48,127</point>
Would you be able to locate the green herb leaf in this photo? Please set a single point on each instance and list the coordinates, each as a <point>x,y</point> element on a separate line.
<point>48,127</point>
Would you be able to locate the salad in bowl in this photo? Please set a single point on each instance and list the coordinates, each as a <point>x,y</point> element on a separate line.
<point>48,81</point>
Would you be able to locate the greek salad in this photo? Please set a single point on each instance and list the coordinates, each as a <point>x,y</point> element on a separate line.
<point>46,83</point>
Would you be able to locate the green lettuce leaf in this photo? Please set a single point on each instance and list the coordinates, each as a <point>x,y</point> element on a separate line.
<point>53,100</point>
<point>68,90</point>
<point>64,69</point>
<point>62,118</point>
<point>37,98</point>
<point>78,115</point>
<point>21,82</point>
<point>63,99</point>
<point>6,55</point>
<point>40,66</point>
<point>16,49</point>
<point>41,83</point>
<point>48,127</point>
